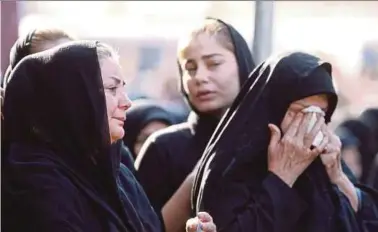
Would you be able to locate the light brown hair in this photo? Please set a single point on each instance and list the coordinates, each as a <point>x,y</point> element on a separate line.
<point>213,28</point>
<point>43,36</point>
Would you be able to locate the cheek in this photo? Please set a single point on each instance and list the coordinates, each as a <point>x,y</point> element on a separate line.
<point>111,104</point>
<point>190,86</point>
<point>227,80</point>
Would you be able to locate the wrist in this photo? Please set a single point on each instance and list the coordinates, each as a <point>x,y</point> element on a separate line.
<point>340,179</point>
<point>287,178</point>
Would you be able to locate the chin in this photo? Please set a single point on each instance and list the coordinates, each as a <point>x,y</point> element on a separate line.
<point>117,134</point>
<point>208,107</point>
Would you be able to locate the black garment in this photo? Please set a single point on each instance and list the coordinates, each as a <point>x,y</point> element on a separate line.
<point>62,173</point>
<point>171,154</point>
<point>127,158</point>
<point>19,50</point>
<point>141,113</point>
<point>233,183</point>
<point>366,147</point>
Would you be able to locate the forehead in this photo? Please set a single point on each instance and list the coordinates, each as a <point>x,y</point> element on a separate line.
<point>199,45</point>
<point>110,68</point>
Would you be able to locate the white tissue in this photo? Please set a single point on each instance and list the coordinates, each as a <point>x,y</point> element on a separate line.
<point>314,109</point>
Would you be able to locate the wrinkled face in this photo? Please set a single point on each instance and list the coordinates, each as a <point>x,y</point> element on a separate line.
<point>147,130</point>
<point>117,101</point>
<point>210,74</point>
<point>352,158</point>
<point>297,106</point>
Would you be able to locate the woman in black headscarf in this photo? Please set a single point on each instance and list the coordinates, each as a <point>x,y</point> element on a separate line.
<point>214,63</point>
<point>365,136</point>
<point>62,173</point>
<point>34,41</point>
<point>370,118</point>
<point>349,152</point>
<point>250,179</point>
<point>145,117</point>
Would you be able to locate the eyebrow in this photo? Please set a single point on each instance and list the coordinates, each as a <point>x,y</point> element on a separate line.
<point>117,80</point>
<point>211,55</point>
<point>205,57</point>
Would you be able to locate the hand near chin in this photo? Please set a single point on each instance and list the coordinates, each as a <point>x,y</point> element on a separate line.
<point>331,156</point>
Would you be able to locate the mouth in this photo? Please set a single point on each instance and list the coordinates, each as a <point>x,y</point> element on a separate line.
<point>120,119</point>
<point>205,95</point>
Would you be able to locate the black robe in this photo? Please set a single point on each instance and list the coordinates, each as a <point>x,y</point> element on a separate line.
<point>170,155</point>
<point>367,144</point>
<point>62,172</point>
<point>142,112</point>
<point>19,50</point>
<point>233,183</point>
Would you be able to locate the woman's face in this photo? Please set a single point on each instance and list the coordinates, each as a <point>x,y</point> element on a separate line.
<point>146,131</point>
<point>297,106</point>
<point>210,74</point>
<point>117,101</point>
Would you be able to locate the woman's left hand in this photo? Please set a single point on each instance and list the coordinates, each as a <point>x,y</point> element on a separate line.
<point>203,222</point>
<point>331,157</point>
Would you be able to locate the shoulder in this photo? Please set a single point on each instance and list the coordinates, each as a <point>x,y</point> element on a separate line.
<point>172,133</point>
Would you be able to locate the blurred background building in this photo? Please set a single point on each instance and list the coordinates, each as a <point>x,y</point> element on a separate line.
<point>146,33</point>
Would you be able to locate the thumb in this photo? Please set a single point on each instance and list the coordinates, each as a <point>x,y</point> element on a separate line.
<point>275,135</point>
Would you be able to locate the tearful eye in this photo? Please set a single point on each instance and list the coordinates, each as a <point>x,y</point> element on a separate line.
<point>112,90</point>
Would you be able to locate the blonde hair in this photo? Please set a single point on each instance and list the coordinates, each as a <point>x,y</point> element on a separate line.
<point>105,51</point>
<point>43,36</point>
<point>212,28</point>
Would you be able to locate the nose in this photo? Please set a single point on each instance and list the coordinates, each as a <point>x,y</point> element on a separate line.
<point>124,101</point>
<point>202,75</point>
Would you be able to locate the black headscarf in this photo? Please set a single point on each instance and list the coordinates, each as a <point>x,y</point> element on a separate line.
<point>370,118</point>
<point>141,113</point>
<point>19,50</point>
<point>366,146</point>
<point>242,137</point>
<point>63,110</point>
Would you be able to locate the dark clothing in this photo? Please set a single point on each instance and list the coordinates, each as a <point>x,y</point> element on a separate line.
<point>171,154</point>
<point>19,50</point>
<point>127,158</point>
<point>367,145</point>
<point>62,172</point>
<point>233,183</point>
<point>141,113</point>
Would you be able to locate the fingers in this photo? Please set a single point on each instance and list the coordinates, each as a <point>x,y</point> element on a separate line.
<point>275,135</point>
<point>204,217</point>
<point>203,222</point>
<point>320,149</point>
<point>309,137</point>
<point>208,227</point>
<point>302,130</point>
<point>293,128</point>
<point>191,225</point>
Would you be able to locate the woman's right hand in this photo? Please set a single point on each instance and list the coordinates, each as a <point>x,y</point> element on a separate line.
<point>290,155</point>
<point>202,223</point>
